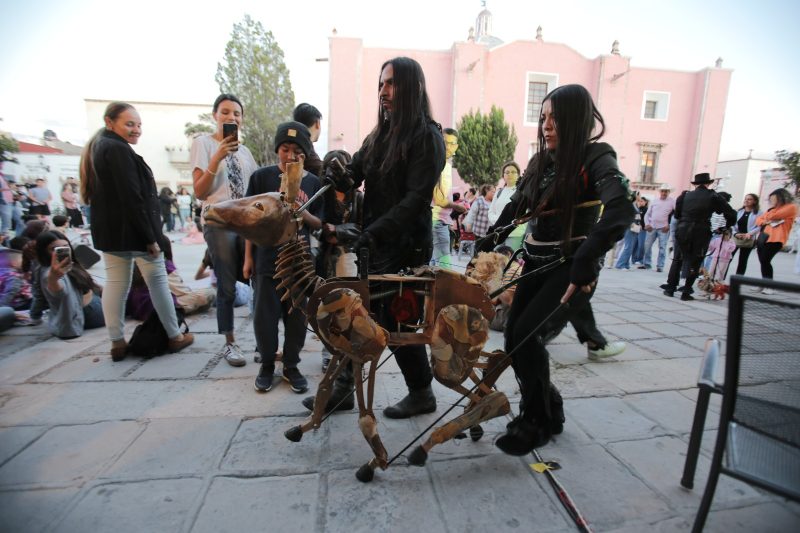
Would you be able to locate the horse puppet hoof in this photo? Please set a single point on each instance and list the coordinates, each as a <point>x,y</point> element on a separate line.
<point>475,433</point>
<point>418,456</point>
<point>365,473</point>
<point>294,434</point>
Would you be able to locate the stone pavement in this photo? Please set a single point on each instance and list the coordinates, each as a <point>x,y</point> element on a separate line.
<point>183,442</point>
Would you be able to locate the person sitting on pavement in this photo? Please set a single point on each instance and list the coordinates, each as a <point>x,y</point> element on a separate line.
<point>15,291</point>
<point>70,291</point>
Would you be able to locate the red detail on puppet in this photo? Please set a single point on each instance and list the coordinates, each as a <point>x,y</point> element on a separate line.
<point>405,306</point>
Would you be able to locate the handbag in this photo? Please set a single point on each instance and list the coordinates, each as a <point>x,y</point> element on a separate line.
<point>743,243</point>
<point>763,237</point>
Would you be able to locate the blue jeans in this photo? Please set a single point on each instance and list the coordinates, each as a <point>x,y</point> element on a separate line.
<point>441,242</point>
<point>119,270</point>
<point>628,249</point>
<point>6,212</point>
<point>663,238</point>
<point>225,258</point>
<point>638,252</point>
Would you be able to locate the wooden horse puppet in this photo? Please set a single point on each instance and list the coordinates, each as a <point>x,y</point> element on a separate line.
<point>453,320</point>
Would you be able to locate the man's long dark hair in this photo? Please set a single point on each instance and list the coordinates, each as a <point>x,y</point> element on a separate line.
<point>576,119</point>
<point>411,112</point>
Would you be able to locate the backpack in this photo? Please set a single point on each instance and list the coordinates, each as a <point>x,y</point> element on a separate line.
<point>150,339</point>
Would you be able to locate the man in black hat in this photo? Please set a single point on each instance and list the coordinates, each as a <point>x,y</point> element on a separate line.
<point>693,232</point>
<point>292,142</point>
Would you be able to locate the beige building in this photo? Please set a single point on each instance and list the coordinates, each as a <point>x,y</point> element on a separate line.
<point>163,144</point>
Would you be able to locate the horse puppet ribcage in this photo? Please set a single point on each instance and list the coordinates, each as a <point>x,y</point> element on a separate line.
<point>454,321</point>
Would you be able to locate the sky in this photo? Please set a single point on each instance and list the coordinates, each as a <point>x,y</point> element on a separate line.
<point>58,53</point>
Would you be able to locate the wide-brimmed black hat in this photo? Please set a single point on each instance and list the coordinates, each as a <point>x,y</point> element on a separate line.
<point>702,179</point>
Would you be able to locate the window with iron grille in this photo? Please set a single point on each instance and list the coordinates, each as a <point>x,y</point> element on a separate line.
<point>650,107</point>
<point>537,90</point>
<point>647,168</point>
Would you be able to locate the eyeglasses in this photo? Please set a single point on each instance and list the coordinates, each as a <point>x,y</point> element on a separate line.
<point>451,143</point>
<point>510,171</point>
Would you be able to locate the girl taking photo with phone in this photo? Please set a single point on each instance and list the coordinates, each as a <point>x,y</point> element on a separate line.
<point>221,169</point>
<point>126,223</point>
<point>70,291</point>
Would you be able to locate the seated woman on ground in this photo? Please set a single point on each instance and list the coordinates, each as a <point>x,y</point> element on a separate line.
<point>188,300</point>
<point>70,291</point>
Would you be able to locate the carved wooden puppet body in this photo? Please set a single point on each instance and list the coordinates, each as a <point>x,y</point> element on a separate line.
<point>453,320</point>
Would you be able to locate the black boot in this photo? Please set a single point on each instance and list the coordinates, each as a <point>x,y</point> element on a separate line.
<point>343,396</point>
<point>417,402</point>
<point>522,436</point>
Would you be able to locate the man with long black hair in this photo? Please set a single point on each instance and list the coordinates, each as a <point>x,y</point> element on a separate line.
<point>400,163</point>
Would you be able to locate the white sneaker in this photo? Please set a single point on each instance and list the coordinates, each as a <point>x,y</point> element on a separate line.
<point>609,350</point>
<point>768,291</point>
<point>233,355</point>
<point>755,289</point>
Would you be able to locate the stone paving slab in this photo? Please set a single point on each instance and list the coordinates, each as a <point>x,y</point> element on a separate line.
<point>610,419</point>
<point>606,491</point>
<point>645,376</point>
<point>14,439</point>
<point>178,446</point>
<point>155,505</point>
<point>80,403</point>
<point>631,331</point>
<point>260,448</point>
<point>286,503</point>
<point>21,366</point>
<point>90,367</point>
<point>186,364</point>
<point>669,348</point>
<point>495,493</point>
<point>400,500</point>
<point>671,410</point>
<point>583,381</point>
<point>68,454</point>
<point>33,510</point>
<point>660,461</point>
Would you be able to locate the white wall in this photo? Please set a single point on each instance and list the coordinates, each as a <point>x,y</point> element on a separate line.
<point>162,144</point>
<point>745,177</point>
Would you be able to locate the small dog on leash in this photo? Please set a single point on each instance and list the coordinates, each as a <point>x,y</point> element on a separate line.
<point>711,287</point>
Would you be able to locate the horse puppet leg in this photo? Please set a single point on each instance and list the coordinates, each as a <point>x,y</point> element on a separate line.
<point>324,391</point>
<point>490,406</point>
<point>368,425</point>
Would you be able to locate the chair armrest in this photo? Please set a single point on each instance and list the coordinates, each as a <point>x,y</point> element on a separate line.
<point>708,366</point>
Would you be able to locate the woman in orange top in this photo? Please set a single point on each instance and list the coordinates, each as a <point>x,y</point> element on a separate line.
<point>777,223</point>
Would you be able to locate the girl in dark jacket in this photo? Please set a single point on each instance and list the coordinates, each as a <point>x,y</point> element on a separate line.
<point>564,186</point>
<point>126,223</point>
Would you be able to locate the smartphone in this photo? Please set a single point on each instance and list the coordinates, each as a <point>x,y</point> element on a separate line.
<point>63,252</point>
<point>230,130</point>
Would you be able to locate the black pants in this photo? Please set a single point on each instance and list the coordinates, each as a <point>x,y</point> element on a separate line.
<point>412,360</point>
<point>766,252</point>
<point>684,259</point>
<point>267,310</point>
<point>535,298</point>
<point>744,255</point>
<point>75,218</point>
<point>582,319</point>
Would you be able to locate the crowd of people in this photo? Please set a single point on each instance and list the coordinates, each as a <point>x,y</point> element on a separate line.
<point>397,202</point>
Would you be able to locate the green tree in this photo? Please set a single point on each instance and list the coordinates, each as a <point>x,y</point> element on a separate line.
<point>206,125</point>
<point>8,146</point>
<point>790,162</point>
<point>485,142</point>
<point>253,69</point>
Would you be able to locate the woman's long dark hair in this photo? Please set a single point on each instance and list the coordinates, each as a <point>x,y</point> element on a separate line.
<point>79,277</point>
<point>411,112</point>
<point>87,173</point>
<point>576,119</point>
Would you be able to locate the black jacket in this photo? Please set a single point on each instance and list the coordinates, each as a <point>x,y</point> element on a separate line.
<point>601,180</point>
<point>397,208</point>
<point>125,208</point>
<point>693,211</point>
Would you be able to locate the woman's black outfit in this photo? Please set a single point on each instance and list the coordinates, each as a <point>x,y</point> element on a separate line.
<point>744,253</point>
<point>541,412</point>
<point>125,210</point>
<point>167,201</point>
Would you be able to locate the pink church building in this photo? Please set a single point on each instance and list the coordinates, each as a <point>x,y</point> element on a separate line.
<point>665,125</point>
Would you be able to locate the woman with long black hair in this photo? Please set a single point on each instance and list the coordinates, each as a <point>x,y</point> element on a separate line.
<point>563,188</point>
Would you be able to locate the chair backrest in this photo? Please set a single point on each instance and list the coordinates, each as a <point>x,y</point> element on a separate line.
<point>762,368</point>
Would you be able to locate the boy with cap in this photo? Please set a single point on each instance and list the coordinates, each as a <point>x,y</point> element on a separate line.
<point>292,141</point>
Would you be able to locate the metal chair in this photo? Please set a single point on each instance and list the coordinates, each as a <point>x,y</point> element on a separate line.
<point>758,440</point>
